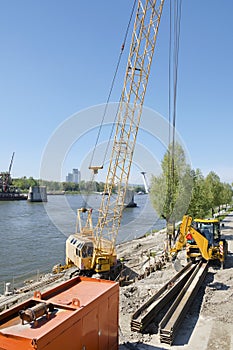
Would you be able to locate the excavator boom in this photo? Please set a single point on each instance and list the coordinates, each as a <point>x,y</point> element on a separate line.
<point>201,242</point>
<point>187,232</point>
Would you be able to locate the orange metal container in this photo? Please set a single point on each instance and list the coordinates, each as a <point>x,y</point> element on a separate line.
<point>85,317</point>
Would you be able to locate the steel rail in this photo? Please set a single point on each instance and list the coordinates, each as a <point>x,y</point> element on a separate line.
<point>169,325</point>
<point>151,310</point>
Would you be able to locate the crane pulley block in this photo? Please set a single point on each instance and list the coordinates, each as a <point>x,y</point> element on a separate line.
<point>96,168</point>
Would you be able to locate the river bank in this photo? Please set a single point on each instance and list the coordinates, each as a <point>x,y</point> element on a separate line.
<point>208,326</point>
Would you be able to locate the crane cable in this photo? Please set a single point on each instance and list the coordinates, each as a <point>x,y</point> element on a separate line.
<point>110,92</point>
<point>89,189</point>
<point>174,41</point>
<point>177,21</point>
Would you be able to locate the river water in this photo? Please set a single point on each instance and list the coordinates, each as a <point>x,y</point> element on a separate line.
<point>33,235</point>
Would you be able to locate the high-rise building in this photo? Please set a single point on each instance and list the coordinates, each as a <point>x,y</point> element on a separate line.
<point>74,176</point>
<point>69,177</point>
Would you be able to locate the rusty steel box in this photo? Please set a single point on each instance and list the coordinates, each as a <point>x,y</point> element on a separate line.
<point>84,316</point>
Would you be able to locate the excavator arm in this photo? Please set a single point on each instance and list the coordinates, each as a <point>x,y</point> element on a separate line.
<point>181,240</point>
<point>186,229</point>
<point>201,242</point>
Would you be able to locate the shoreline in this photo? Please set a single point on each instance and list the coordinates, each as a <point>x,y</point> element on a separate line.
<point>121,249</point>
<point>208,311</point>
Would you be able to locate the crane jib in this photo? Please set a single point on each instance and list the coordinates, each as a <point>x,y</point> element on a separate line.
<point>142,48</point>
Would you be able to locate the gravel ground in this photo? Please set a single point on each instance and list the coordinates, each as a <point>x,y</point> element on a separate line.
<point>208,324</point>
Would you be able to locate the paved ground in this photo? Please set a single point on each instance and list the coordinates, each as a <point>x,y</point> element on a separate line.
<point>209,326</point>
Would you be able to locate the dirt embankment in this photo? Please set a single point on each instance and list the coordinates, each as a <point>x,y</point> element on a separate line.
<point>209,322</point>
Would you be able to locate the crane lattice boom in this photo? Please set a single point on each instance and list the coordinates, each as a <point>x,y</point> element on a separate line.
<point>130,108</point>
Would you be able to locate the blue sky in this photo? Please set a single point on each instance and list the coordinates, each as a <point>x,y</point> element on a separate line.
<point>58,58</point>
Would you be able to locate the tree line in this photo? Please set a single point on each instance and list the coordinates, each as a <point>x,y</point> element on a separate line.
<point>180,190</point>
<point>24,184</point>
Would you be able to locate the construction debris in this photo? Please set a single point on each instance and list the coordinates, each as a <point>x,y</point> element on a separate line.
<point>210,315</point>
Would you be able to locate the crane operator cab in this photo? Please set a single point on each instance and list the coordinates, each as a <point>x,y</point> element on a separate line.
<point>87,252</point>
<point>79,251</point>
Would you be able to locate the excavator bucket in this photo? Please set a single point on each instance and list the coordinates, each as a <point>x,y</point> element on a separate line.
<point>177,265</point>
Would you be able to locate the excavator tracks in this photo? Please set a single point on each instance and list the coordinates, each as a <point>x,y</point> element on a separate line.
<point>177,294</point>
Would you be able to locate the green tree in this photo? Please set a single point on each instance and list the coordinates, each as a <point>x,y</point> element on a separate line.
<point>200,204</point>
<point>52,186</point>
<point>226,193</point>
<point>208,193</point>
<point>171,191</point>
<point>24,183</point>
<point>214,189</point>
<point>70,186</point>
<point>32,182</point>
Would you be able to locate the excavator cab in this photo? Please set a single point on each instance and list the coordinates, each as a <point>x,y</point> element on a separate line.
<point>206,241</point>
<point>210,229</point>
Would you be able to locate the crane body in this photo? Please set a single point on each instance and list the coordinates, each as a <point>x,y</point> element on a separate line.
<point>102,238</point>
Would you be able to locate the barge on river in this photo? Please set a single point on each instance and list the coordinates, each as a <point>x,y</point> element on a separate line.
<point>8,192</point>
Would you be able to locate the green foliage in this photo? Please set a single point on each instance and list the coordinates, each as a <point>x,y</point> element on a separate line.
<point>52,186</point>
<point>189,192</point>
<point>24,183</point>
<point>208,194</point>
<point>55,186</point>
<point>70,186</point>
<point>213,187</point>
<point>171,191</point>
<point>226,193</point>
<point>200,200</point>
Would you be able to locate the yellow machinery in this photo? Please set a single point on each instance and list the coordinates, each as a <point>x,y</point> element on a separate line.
<point>81,247</point>
<point>94,248</point>
<point>202,239</point>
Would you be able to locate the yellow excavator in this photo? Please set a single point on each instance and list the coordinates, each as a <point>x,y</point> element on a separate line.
<point>202,240</point>
<point>92,249</point>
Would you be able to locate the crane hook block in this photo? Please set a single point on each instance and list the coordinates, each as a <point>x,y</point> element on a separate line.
<point>96,168</point>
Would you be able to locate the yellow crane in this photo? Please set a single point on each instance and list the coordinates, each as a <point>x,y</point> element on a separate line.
<point>93,248</point>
